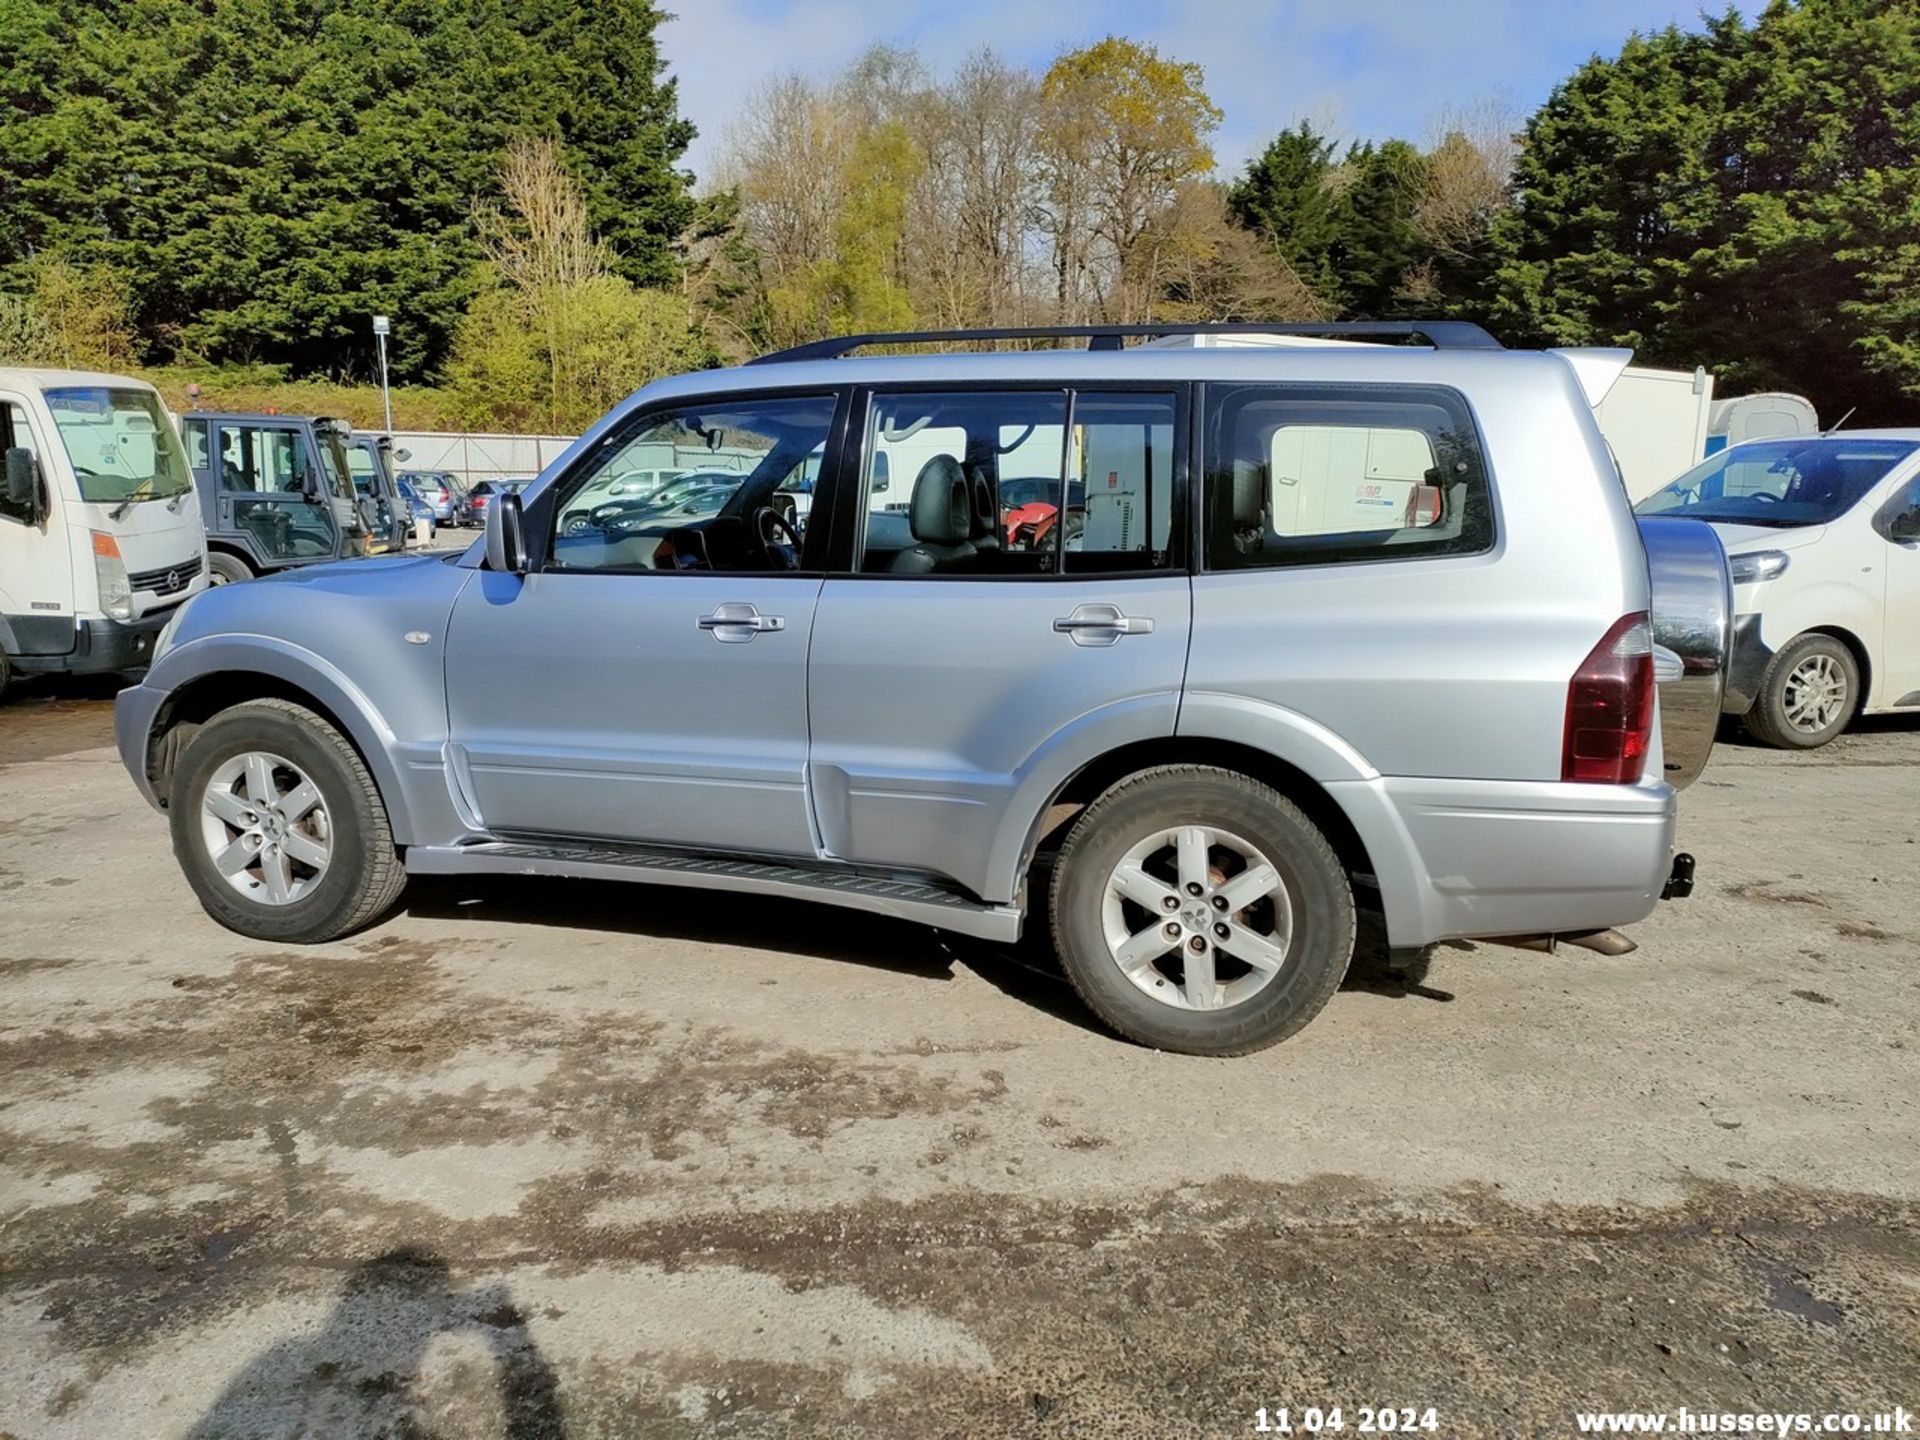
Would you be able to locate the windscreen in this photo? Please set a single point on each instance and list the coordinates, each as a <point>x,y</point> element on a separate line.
<point>1803,481</point>
<point>120,443</point>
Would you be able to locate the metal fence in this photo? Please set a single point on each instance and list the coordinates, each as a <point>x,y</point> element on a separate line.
<point>472,458</point>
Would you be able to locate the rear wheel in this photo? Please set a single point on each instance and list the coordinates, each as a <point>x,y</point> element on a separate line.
<point>6,674</point>
<point>1200,911</point>
<point>225,569</point>
<point>279,827</point>
<point>1808,694</point>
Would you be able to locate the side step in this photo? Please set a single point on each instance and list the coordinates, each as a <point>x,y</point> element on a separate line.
<point>915,900</point>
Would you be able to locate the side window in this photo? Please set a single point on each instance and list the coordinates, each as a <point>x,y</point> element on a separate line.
<point>964,482</point>
<point>16,432</point>
<point>199,451</point>
<point>719,486</point>
<point>1119,513</point>
<point>1312,476</point>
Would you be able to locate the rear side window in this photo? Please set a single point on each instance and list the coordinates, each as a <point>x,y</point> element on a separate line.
<point>1317,475</point>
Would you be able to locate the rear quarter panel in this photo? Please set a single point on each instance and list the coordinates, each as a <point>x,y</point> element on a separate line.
<point>1446,666</point>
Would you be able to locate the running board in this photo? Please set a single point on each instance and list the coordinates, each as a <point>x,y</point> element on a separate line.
<point>914,900</point>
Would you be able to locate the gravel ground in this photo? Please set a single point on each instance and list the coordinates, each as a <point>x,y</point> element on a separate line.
<point>570,1159</point>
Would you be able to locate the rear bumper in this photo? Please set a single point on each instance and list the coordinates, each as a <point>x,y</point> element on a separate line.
<point>102,646</point>
<point>1457,859</point>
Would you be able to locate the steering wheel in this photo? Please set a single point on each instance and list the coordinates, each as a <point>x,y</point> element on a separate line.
<point>1766,495</point>
<point>769,525</point>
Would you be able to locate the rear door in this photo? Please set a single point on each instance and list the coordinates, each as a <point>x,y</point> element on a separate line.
<point>1010,591</point>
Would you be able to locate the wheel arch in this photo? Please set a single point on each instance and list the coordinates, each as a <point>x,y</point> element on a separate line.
<point>1857,647</point>
<point>270,675</point>
<point>1095,777</point>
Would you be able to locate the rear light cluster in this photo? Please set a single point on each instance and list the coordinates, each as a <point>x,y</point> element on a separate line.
<point>1610,707</point>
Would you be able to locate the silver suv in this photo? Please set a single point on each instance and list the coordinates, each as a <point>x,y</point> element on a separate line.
<point>1236,638</point>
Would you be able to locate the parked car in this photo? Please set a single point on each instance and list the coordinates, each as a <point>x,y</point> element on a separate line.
<point>100,539</point>
<point>274,492</point>
<point>1823,539</point>
<point>439,488</point>
<point>1364,625</point>
<point>484,492</point>
<point>419,508</point>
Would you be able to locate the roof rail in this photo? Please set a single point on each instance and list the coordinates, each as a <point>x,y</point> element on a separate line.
<point>1442,334</point>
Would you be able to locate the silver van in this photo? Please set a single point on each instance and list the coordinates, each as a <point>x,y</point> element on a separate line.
<point>1236,639</point>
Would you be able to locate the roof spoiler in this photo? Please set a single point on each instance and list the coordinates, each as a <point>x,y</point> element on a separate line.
<point>1596,369</point>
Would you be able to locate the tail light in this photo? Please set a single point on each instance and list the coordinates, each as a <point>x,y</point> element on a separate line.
<point>1610,707</point>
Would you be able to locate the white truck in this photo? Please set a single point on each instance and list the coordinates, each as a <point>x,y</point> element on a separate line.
<point>100,538</point>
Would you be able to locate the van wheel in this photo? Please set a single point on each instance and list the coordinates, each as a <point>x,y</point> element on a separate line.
<point>1808,694</point>
<point>1200,911</point>
<point>225,569</point>
<point>279,827</point>
<point>6,675</point>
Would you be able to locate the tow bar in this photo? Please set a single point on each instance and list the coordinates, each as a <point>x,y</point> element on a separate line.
<point>1680,881</point>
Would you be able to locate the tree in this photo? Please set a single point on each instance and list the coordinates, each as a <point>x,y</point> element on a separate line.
<point>554,337</point>
<point>273,174</point>
<point>1286,197</point>
<point>75,317</point>
<point>1202,267</point>
<point>1121,128</point>
<point>857,286</point>
<point>1744,198</point>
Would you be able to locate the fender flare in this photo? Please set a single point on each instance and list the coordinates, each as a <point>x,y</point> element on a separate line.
<point>302,669</point>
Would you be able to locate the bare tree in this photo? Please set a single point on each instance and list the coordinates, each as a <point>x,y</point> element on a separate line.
<point>1470,157</point>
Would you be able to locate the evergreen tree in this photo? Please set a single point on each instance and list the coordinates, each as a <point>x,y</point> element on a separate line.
<point>1286,197</point>
<point>269,174</point>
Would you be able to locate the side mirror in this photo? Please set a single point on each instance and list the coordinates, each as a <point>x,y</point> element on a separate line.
<point>506,549</point>
<point>23,485</point>
<point>1905,525</point>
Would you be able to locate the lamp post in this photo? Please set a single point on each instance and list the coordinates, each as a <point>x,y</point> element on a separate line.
<point>381,327</point>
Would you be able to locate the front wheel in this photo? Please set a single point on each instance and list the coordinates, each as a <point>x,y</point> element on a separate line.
<point>1200,911</point>
<point>225,569</point>
<point>1808,694</point>
<point>280,828</point>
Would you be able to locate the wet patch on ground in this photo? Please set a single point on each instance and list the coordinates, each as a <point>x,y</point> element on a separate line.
<point>1171,1315</point>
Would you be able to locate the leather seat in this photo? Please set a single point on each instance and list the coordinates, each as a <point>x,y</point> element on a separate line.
<point>940,515</point>
<point>988,533</point>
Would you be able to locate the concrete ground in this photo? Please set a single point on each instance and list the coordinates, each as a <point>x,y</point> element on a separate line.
<point>570,1159</point>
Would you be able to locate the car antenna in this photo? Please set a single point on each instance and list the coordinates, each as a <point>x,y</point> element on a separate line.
<point>1841,421</point>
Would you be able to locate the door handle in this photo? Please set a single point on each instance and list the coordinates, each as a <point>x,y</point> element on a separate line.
<point>734,622</point>
<point>1101,624</point>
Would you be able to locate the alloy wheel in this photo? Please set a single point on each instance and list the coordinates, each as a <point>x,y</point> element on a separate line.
<point>266,828</point>
<point>1197,918</point>
<point>1816,694</point>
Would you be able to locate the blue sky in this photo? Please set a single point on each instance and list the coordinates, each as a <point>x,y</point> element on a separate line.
<point>1364,68</point>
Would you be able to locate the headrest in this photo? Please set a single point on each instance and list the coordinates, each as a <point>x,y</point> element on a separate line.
<point>940,512</point>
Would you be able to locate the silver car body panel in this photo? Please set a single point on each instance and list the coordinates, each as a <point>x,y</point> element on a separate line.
<point>925,726</point>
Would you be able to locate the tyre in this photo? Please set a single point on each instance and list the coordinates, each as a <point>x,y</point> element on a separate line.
<point>225,569</point>
<point>1808,694</point>
<point>6,675</point>
<point>1199,911</point>
<point>279,827</point>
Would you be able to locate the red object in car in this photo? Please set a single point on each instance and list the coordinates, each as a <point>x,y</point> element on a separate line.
<point>1027,525</point>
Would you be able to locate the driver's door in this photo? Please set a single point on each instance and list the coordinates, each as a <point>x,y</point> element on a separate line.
<point>647,680</point>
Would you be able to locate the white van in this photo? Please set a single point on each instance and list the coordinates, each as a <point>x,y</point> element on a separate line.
<point>100,538</point>
<point>1822,534</point>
